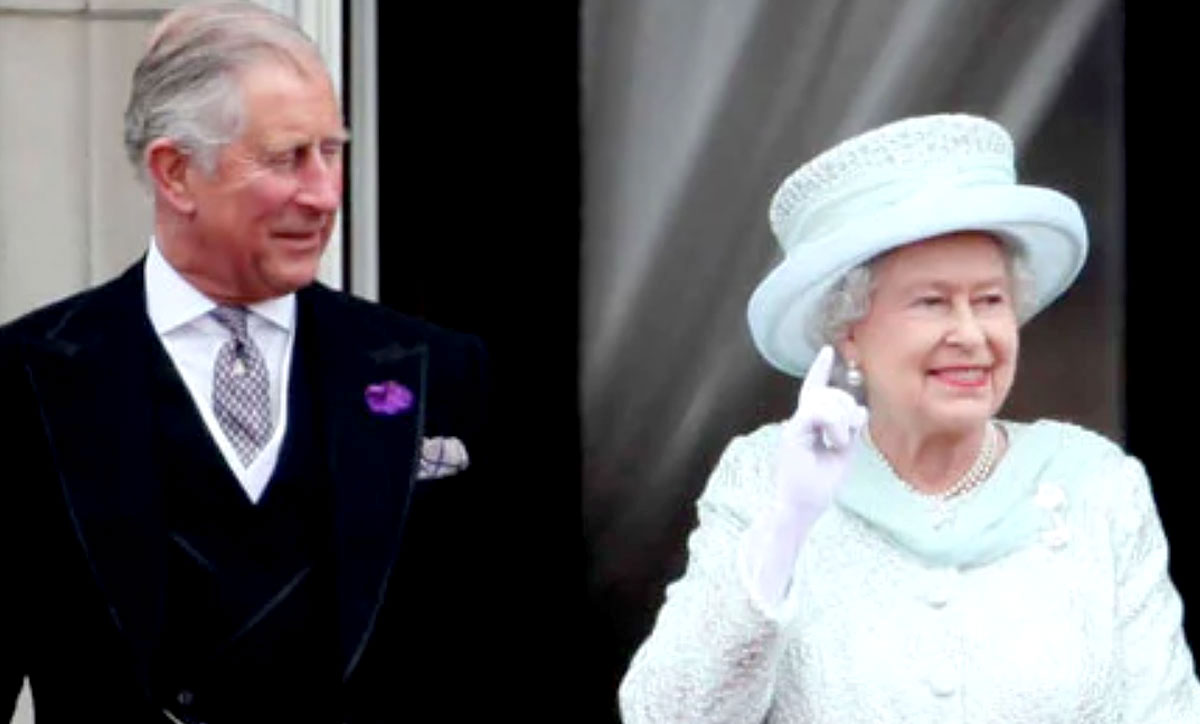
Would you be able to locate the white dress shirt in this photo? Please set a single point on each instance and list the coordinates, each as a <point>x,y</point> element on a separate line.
<point>180,316</point>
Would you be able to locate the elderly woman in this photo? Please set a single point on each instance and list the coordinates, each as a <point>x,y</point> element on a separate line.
<point>924,561</point>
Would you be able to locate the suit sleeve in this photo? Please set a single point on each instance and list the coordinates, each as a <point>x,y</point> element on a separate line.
<point>440,601</point>
<point>13,647</point>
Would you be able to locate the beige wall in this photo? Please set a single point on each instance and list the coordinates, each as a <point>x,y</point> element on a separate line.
<point>71,211</point>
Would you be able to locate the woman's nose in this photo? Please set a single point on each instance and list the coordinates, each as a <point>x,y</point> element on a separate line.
<point>965,328</point>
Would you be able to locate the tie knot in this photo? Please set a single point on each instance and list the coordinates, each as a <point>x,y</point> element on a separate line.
<point>233,319</point>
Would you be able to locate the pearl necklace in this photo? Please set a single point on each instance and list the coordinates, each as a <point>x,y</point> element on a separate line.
<point>940,502</point>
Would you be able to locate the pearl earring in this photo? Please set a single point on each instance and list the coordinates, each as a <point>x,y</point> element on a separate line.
<point>854,376</point>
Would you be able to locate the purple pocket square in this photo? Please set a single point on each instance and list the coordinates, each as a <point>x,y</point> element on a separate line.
<point>388,398</point>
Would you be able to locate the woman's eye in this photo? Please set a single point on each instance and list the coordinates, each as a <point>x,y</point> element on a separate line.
<point>930,300</point>
<point>991,300</point>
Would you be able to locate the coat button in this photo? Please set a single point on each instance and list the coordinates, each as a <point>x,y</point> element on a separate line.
<point>1050,497</point>
<point>938,596</point>
<point>185,697</point>
<point>1057,538</point>
<point>942,683</point>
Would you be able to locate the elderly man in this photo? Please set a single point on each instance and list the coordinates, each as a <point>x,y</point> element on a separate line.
<point>224,478</point>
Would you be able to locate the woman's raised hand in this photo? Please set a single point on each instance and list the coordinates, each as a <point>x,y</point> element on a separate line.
<point>816,441</point>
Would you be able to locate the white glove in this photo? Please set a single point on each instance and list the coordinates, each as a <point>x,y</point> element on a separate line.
<point>814,452</point>
<point>814,446</point>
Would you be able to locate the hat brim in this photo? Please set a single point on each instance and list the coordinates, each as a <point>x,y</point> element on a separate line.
<point>1047,226</point>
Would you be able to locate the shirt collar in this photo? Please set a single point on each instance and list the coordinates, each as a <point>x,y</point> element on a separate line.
<point>172,301</point>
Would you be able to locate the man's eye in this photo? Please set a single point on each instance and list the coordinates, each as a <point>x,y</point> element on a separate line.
<point>286,160</point>
<point>332,151</point>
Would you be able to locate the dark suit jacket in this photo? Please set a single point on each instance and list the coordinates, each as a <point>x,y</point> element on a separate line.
<point>83,533</point>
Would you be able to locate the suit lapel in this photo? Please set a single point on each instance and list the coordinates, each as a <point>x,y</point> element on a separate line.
<point>372,456</point>
<point>89,375</point>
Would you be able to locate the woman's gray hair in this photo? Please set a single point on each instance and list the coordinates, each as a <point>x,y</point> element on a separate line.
<point>186,85</point>
<point>849,300</point>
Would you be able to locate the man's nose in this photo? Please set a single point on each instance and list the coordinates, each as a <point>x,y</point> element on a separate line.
<point>321,184</point>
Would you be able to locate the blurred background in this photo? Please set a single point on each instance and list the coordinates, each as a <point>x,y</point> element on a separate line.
<point>693,112</point>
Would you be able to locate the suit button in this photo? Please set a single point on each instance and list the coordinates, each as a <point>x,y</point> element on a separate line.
<point>185,697</point>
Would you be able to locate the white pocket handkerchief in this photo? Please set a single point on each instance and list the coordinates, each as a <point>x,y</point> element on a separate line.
<point>441,457</point>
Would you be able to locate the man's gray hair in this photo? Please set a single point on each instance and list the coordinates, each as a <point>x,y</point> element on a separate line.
<point>849,300</point>
<point>186,85</point>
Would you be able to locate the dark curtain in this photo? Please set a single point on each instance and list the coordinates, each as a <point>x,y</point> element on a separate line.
<point>480,232</point>
<point>1161,269</point>
<point>621,358</point>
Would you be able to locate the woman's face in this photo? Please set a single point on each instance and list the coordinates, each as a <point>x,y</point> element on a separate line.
<point>938,348</point>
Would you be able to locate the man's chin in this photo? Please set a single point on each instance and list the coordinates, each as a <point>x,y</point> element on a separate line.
<point>297,281</point>
<point>292,275</point>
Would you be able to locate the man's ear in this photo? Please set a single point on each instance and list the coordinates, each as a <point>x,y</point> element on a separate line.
<point>167,166</point>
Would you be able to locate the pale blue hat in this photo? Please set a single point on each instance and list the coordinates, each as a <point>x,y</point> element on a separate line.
<point>903,182</point>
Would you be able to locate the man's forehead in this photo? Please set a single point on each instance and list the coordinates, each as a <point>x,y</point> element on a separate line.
<point>285,107</point>
<point>279,133</point>
<point>274,75</point>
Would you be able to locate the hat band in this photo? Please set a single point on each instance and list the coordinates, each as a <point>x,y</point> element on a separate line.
<point>878,192</point>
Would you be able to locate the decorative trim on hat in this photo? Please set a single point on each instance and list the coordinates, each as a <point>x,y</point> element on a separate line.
<point>907,146</point>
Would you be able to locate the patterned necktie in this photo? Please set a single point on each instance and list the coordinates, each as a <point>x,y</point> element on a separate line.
<point>241,387</point>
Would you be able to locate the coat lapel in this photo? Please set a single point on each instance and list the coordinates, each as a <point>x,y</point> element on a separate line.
<point>372,455</point>
<point>89,374</point>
